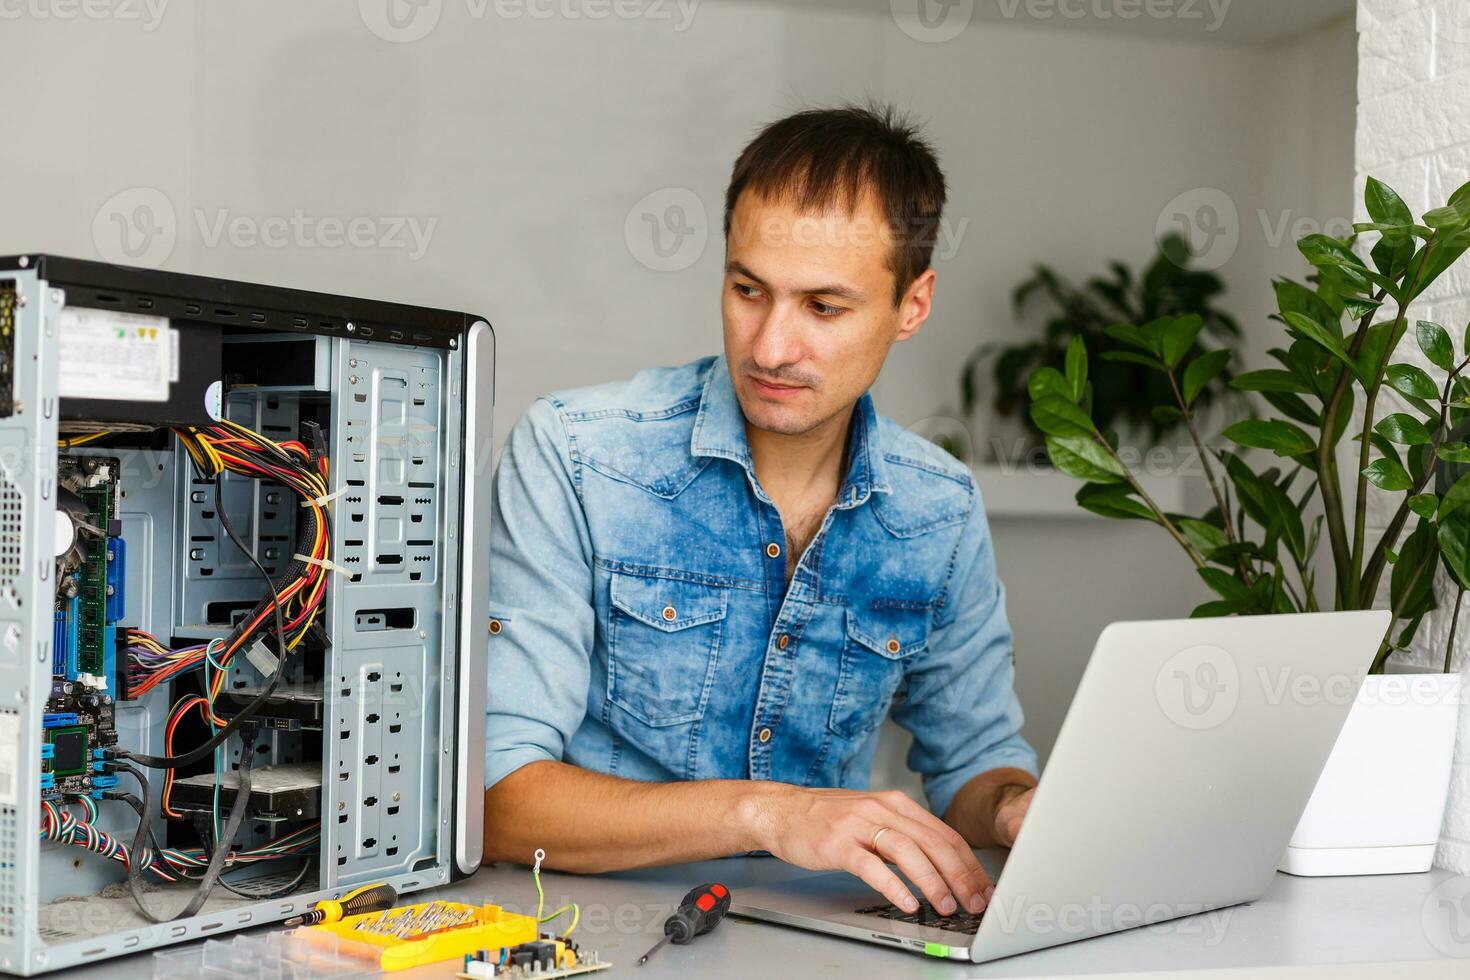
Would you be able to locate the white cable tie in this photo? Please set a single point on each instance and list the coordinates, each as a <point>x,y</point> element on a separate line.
<point>326,563</point>
<point>324,500</point>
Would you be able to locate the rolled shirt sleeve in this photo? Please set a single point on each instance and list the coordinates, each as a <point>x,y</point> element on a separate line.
<point>540,596</point>
<point>961,704</point>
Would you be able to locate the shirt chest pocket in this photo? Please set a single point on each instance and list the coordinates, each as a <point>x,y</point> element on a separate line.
<point>663,644</point>
<point>879,648</point>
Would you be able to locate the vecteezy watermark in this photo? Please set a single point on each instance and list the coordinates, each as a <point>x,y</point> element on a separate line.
<point>148,14</point>
<point>1097,916</point>
<point>1198,687</point>
<point>1207,219</point>
<point>667,230</point>
<point>404,21</point>
<point>136,226</point>
<point>300,229</point>
<point>140,226</point>
<point>1445,916</point>
<point>1209,13</point>
<point>932,21</point>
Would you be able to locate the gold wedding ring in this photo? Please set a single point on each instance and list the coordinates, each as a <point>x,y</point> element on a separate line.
<point>877,834</point>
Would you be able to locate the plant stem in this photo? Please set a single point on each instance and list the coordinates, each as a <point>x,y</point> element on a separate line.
<point>1374,571</point>
<point>1384,647</point>
<point>1204,457</point>
<point>1449,644</point>
<point>1163,519</point>
<point>1327,474</point>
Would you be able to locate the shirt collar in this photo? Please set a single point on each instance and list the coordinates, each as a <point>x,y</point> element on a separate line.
<point>719,430</point>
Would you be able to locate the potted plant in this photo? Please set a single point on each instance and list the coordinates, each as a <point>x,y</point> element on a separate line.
<point>1123,393</point>
<point>1379,803</point>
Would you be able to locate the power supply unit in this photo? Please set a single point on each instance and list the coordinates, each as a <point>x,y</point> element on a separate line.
<point>243,534</point>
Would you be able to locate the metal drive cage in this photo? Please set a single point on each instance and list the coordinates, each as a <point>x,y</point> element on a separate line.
<point>168,445</point>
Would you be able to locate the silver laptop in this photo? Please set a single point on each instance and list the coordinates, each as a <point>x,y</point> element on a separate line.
<point>1183,765</point>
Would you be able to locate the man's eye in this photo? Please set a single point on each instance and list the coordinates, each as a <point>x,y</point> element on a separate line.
<point>749,292</point>
<point>825,309</point>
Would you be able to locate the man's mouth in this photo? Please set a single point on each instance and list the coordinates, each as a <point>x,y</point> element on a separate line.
<point>775,389</point>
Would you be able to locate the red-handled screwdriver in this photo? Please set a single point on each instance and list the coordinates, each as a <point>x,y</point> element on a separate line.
<point>701,910</point>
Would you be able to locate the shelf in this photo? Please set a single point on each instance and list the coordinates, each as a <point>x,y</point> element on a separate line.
<point>1019,491</point>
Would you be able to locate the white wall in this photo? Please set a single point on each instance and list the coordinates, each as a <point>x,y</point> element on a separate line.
<point>1414,134</point>
<point>524,143</point>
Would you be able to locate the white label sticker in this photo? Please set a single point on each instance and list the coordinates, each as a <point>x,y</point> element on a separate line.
<point>9,758</point>
<point>115,356</point>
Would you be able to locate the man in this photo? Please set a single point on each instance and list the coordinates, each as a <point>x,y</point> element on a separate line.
<point>712,582</point>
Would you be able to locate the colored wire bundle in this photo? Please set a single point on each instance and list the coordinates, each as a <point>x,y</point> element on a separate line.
<point>168,864</point>
<point>230,447</point>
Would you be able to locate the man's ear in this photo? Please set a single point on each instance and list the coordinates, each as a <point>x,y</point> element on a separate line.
<point>914,308</point>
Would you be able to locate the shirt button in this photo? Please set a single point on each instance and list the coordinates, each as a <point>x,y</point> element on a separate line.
<point>893,646</point>
<point>669,613</point>
<point>765,735</point>
<point>783,642</point>
<point>495,627</point>
<point>773,550</point>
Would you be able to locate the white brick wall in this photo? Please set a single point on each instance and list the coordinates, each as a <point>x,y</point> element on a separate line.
<point>1414,134</point>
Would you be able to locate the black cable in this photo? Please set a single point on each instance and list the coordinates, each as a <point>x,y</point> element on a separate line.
<point>264,895</point>
<point>247,712</point>
<point>216,857</point>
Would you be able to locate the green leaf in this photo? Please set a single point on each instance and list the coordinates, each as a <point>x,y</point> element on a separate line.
<point>1454,547</point>
<point>1202,370</point>
<point>1384,205</point>
<point>1374,350</point>
<point>1412,591</point>
<point>1132,358</point>
<point>1219,607</point>
<point>1282,438</point>
<point>1179,336</point>
<point>1077,367</point>
<point>1128,334</point>
<point>1318,334</point>
<point>1153,334</point>
<point>1385,474</point>
<point>1048,381</point>
<point>1223,584</point>
<point>1057,416</point>
<point>1084,458</point>
<point>1293,407</point>
<point>1424,504</point>
<point>1206,538</point>
<point>1293,297</point>
<point>1356,307</point>
<point>1114,500</point>
<point>1269,379</point>
<point>1412,381</point>
<point>1436,345</point>
<point>1165,414</point>
<point>1403,429</point>
<point>1383,446</point>
<point>1453,452</point>
<point>1457,496</point>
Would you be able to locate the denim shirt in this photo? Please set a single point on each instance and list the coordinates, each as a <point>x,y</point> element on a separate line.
<point>642,624</point>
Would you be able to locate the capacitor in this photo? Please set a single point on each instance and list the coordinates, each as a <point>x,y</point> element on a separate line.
<point>66,533</point>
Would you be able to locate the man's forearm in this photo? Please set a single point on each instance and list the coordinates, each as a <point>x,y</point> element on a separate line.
<point>972,811</point>
<point>591,822</point>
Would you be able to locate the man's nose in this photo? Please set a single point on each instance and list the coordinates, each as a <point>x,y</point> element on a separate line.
<point>778,343</point>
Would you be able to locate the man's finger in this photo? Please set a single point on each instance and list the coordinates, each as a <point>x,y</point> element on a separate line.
<point>963,874</point>
<point>899,848</point>
<point>870,867</point>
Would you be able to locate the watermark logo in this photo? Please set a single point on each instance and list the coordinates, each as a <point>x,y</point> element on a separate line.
<point>299,229</point>
<point>137,226</point>
<point>1198,687</point>
<point>1210,14</point>
<point>1445,916</point>
<point>666,231</point>
<point>932,21</point>
<point>400,21</point>
<point>1207,219</point>
<point>148,14</point>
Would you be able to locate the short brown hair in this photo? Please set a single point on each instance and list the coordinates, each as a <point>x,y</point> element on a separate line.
<point>820,158</point>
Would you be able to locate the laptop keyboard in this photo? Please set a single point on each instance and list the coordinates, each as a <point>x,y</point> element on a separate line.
<point>963,922</point>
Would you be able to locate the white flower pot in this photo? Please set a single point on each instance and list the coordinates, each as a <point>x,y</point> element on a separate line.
<point>1380,800</point>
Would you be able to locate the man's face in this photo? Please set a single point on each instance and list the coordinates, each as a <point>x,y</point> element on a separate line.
<point>808,310</point>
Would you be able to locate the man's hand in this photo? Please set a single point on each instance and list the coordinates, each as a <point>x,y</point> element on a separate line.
<point>833,829</point>
<point>1012,803</point>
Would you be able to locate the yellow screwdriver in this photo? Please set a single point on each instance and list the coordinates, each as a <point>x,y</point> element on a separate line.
<point>368,898</point>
